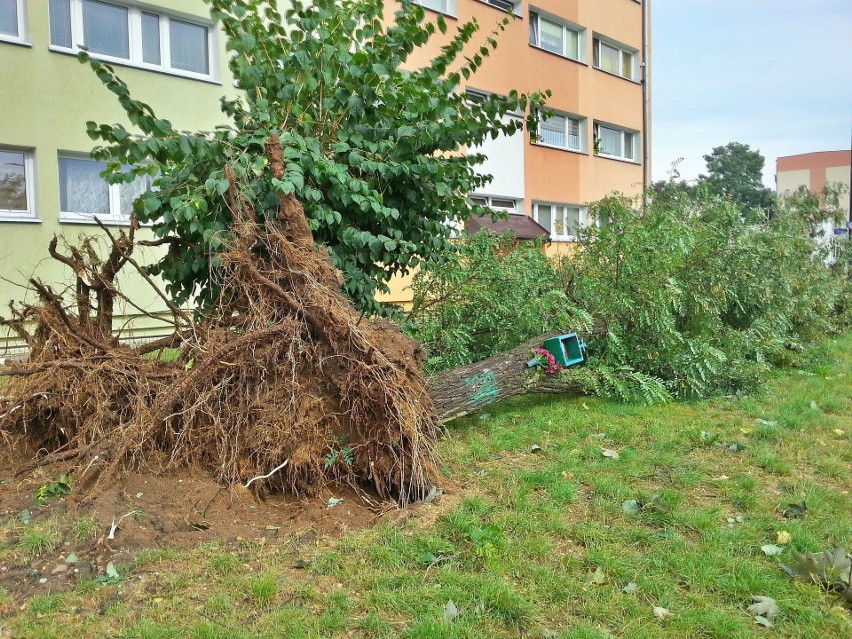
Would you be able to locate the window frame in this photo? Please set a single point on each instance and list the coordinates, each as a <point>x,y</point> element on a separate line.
<point>516,5</point>
<point>450,5</point>
<point>566,25</point>
<point>115,216</point>
<point>29,215</point>
<point>488,202</point>
<point>582,219</point>
<point>599,40</point>
<point>623,131</point>
<point>22,37</point>
<point>582,143</point>
<point>136,48</point>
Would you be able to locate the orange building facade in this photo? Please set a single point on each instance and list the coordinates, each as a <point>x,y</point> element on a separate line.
<point>593,55</point>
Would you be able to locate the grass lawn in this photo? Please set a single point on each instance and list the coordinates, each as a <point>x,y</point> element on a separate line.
<point>534,538</point>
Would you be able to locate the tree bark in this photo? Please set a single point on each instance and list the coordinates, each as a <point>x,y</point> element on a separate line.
<point>464,390</point>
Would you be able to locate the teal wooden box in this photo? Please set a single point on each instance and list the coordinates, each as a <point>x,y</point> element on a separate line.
<point>567,349</point>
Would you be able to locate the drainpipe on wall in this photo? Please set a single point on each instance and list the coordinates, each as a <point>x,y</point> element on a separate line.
<point>646,94</point>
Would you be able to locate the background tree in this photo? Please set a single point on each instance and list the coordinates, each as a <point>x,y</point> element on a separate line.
<point>735,171</point>
<point>371,147</point>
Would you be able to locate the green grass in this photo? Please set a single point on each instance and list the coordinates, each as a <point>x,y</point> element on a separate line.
<point>538,544</point>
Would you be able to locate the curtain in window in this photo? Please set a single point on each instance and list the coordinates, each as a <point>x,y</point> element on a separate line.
<point>150,38</point>
<point>609,58</point>
<point>545,217</point>
<point>9,17</point>
<point>572,220</point>
<point>551,37</point>
<point>627,64</point>
<point>573,50</point>
<point>628,146</point>
<point>105,29</point>
<point>129,193</point>
<point>13,181</point>
<point>188,43</point>
<point>553,130</point>
<point>60,23</point>
<point>573,134</point>
<point>610,141</point>
<point>81,187</point>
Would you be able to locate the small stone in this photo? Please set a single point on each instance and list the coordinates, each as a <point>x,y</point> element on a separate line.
<point>58,569</point>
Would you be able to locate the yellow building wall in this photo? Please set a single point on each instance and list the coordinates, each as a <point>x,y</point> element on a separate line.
<point>47,98</point>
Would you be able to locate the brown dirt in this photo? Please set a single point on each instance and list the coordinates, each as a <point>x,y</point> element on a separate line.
<point>180,510</point>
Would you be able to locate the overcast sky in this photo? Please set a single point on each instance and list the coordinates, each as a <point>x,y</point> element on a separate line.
<point>773,74</point>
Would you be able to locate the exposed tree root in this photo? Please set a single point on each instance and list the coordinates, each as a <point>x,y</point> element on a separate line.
<point>282,369</point>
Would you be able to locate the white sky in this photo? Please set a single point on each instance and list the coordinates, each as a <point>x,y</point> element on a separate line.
<point>773,74</point>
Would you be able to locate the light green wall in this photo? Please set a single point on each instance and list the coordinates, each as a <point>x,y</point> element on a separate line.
<point>46,100</point>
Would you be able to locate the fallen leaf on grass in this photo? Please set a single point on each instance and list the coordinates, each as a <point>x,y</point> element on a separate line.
<point>597,577</point>
<point>832,569</point>
<point>612,454</point>
<point>631,507</point>
<point>795,510</point>
<point>838,432</point>
<point>765,609</point>
<point>451,611</point>
<point>783,538</point>
<point>771,550</point>
<point>766,422</point>
<point>434,494</point>
<point>631,587</point>
<point>661,613</point>
<point>814,406</point>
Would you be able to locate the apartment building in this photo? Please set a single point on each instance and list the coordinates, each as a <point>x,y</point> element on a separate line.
<point>593,56</point>
<point>172,57</point>
<point>815,171</point>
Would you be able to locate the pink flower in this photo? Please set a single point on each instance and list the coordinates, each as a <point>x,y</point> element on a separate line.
<point>552,366</point>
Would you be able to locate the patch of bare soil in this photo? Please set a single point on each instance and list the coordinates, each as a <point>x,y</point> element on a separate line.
<point>180,510</point>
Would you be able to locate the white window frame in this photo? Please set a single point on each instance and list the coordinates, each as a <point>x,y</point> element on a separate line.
<point>599,40</point>
<point>22,36</point>
<point>135,44</point>
<point>509,6</point>
<point>580,121</point>
<point>637,152</point>
<point>114,218</point>
<point>447,7</point>
<point>538,16</point>
<point>9,215</point>
<point>498,203</point>
<point>558,230</point>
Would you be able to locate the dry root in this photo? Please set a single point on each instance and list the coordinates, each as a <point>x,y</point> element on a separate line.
<point>283,369</point>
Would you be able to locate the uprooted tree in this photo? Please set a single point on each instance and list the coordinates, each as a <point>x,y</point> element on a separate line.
<point>337,162</point>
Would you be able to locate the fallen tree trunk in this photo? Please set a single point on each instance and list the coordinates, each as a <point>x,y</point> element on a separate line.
<point>466,389</point>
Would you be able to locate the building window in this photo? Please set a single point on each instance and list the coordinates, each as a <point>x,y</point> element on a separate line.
<point>561,131</point>
<point>557,36</point>
<point>16,184</point>
<point>441,6</point>
<point>129,35</point>
<point>13,22</point>
<point>614,58</point>
<point>562,220</point>
<point>615,142</point>
<point>84,194</point>
<point>504,5</point>
<point>502,204</point>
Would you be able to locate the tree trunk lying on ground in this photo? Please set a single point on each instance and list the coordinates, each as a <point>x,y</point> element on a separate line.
<point>463,390</point>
